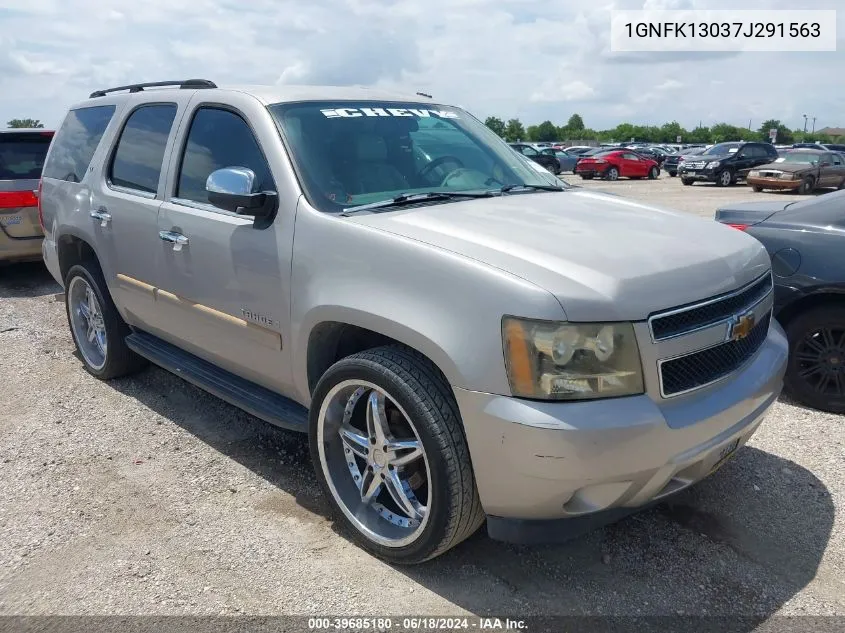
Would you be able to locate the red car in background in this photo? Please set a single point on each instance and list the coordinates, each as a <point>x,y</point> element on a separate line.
<point>610,164</point>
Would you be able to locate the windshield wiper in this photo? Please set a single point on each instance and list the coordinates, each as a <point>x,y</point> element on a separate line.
<point>413,198</point>
<point>507,188</point>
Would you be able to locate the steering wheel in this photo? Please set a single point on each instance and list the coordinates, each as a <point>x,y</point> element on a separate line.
<point>470,174</point>
<point>437,162</point>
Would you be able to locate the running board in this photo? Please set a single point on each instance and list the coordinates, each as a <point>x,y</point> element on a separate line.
<point>237,391</point>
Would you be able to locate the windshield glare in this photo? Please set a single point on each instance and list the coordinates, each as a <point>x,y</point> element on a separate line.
<point>722,148</point>
<point>804,158</point>
<point>355,153</point>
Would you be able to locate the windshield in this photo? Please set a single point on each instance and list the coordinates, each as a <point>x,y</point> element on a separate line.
<point>22,154</point>
<point>722,148</point>
<point>804,158</point>
<point>355,153</point>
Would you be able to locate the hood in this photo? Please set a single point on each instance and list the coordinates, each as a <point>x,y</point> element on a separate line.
<point>750,213</point>
<point>605,258</point>
<point>790,168</point>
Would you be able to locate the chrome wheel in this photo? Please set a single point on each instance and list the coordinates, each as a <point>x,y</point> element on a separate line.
<point>86,318</point>
<point>725,178</point>
<point>612,173</point>
<point>374,463</point>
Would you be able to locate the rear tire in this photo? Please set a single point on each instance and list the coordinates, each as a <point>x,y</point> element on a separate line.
<point>418,403</point>
<point>816,356</point>
<point>100,339</point>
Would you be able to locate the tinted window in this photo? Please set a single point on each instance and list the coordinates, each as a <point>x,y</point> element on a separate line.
<point>22,154</point>
<point>140,151</point>
<point>219,139</point>
<point>76,142</point>
<point>528,151</point>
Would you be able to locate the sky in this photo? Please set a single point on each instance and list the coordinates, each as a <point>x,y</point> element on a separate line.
<point>529,59</point>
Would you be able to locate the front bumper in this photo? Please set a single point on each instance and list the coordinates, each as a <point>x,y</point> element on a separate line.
<point>772,183</point>
<point>539,465</point>
<point>703,175</point>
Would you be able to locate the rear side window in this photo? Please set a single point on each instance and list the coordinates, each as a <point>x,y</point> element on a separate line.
<point>76,142</point>
<point>140,150</point>
<point>22,154</point>
<point>217,139</point>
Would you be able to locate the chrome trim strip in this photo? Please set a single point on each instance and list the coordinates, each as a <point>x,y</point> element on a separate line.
<point>707,302</point>
<point>712,382</point>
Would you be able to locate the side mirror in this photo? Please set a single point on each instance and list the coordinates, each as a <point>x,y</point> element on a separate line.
<point>230,189</point>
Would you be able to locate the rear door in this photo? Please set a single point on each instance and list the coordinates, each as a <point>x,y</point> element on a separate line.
<point>21,161</point>
<point>828,172</point>
<point>838,169</point>
<point>124,207</point>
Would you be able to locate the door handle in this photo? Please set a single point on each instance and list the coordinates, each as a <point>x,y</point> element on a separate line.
<point>102,215</point>
<point>177,239</point>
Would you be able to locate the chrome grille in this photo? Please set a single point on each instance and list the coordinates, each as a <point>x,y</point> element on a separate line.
<point>699,164</point>
<point>696,370</point>
<point>687,319</point>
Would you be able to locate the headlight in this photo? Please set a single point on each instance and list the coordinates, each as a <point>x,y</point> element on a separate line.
<point>713,164</point>
<point>788,176</point>
<point>753,173</point>
<point>560,361</point>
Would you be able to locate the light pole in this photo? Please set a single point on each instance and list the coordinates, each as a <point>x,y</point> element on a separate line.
<point>814,126</point>
<point>805,123</point>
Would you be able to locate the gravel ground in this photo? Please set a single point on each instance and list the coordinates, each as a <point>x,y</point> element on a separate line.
<point>146,496</point>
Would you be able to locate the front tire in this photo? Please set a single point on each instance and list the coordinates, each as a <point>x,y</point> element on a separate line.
<point>807,185</point>
<point>389,451</point>
<point>672,174</point>
<point>612,173</point>
<point>97,328</point>
<point>815,373</point>
<point>687,181</point>
<point>653,173</point>
<point>756,188</point>
<point>724,178</point>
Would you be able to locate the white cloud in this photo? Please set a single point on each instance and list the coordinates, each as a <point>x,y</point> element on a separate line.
<point>555,92</point>
<point>531,59</point>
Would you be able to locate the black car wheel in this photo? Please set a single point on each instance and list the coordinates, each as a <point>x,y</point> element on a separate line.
<point>815,375</point>
<point>757,188</point>
<point>612,173</point>
<point>687,181</point>
<point>806,185</point>
<point>653,173</point>
<point>724,178</point>
<point>672,173</point>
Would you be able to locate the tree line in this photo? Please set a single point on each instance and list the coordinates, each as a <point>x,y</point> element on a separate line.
<point>513,130</point>
<point>24,123</point>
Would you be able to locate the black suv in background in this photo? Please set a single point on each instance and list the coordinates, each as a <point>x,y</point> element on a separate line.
<point>725,163</point>
<point>550,162</point>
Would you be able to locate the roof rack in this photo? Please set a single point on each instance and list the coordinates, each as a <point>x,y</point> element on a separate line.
<point>185,83</point>
<point>422,94</point>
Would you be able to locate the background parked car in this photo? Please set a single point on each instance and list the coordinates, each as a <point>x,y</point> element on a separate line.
<point>800,170</point>
<point>549,161</point>
<point>22,153</point>
<point>671,162</point>
<point>656,154</point>
<point>580,150</point>
<point>805,241</point>
<point>566,161</point>
<point>725,163</point>
<point>613,163</point>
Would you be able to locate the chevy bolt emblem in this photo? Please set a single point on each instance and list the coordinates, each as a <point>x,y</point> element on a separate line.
<point>740,326</point>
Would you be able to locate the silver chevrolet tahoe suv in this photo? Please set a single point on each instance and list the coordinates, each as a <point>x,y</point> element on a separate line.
<point>462,335</point>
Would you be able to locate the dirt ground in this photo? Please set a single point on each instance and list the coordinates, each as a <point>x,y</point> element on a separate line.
<point>147,496</point>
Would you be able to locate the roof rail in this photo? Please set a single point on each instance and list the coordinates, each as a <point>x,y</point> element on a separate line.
<point>185,83</point>
<point>422,94</point>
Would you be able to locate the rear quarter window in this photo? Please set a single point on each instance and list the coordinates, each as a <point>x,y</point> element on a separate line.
<point>77,140</point>
<point>22,154</point>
